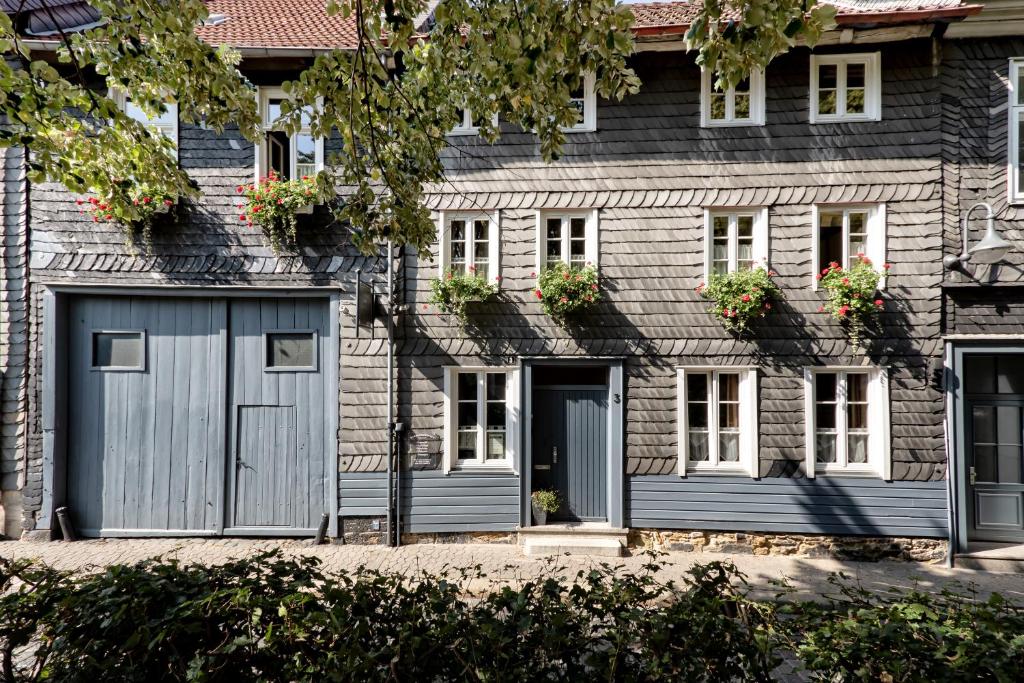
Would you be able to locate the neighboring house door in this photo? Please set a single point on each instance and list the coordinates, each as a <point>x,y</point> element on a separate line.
<point>994,393</point>
<point>162,389</point>
<point>570,448</point>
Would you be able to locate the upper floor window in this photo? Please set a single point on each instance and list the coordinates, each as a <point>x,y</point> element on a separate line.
<point>570,237</point>
<point>717,420</point>
<point>1016,137</point>
<point>480,409</point>
<point>287,156</point>
<point>846,87</point>
<point>468,123</point>
<point>847,420</point>
<point>584,100</point>
<point>470,244</point>
<point>741,105</point>
<point>735,239</point>
<point>843,232</point>
<point>165,123</point>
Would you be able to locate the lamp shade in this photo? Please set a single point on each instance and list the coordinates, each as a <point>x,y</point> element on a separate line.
<point>992,247</point>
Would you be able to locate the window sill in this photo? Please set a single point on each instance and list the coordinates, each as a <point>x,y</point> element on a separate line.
<point>851,474</point>
<point>745,123</point>
<point>859,118</point>
<point>482,469</point>
<point>580,129</point>
<point>717,471</point>
<point>462,132</point>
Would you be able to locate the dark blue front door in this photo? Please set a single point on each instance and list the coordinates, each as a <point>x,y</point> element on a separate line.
<point>570,449</point>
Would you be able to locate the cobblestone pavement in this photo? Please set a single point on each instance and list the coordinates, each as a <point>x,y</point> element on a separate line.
<point>503,562</point>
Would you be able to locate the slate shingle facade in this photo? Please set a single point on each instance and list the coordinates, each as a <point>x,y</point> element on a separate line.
<point>650,171</point>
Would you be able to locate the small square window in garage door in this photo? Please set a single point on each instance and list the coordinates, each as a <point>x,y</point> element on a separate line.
<point>119,350</point>
<point>290,351</point>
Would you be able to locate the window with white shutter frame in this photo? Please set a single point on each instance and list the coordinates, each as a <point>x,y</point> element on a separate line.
<point>166,123</point>
<point>567,236</point>
<point>1014,176</point>
<point>735,239</point>
<point>741,105</point>
<point>481,412</point>
<point>289,156</point>
<point>839,233</point>
<point>470,243</point>
<point>846,87</point>
<point>846,416</point>
<point>717,420</point>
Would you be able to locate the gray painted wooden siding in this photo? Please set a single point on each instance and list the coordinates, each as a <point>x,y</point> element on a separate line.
<point>434,502</point>
<point>145,449</point>
<point>823,505</point>
<point>280,434</point>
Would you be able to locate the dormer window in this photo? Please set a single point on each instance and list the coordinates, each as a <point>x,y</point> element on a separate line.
<point>287,156</point>
<point>165,123</point>
<point>468,123</point>
<point>740,105</point>
<point>584,100</point>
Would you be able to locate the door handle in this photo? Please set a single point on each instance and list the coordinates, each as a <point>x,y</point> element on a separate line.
<point>554,454</point>
<point>974,476</point>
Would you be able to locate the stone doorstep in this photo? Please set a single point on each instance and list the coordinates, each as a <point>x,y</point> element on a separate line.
<point>575,539</point>
<point>992,557</point>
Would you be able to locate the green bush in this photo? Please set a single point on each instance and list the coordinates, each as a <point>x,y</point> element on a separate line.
<point>272,618</point>
<point>911,637</point>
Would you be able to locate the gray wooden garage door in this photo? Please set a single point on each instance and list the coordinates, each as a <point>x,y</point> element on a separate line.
<point>197,416</point>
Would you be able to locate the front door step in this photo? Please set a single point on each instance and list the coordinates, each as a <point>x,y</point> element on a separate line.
<point>573,539</point>
<point>992,557</point>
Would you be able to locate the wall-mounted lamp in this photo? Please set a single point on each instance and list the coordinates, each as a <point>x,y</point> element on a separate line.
<point>991,249</point>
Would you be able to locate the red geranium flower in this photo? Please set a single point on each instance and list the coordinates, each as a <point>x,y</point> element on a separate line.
<point>745,298</point>
<point>539,294</point>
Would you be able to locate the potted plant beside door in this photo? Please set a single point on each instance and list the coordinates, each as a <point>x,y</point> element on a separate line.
<point>544,502</point>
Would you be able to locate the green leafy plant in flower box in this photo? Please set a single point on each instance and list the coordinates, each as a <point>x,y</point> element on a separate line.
<point>565,290</point>
<point>456,290</point>
<point>134,208</point>
<point>853,298</point>
<point>273,205</point>
<point>740,297</point>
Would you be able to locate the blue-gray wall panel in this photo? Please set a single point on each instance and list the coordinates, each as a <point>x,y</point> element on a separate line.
<point>434,502</point>
<point>867,507</point>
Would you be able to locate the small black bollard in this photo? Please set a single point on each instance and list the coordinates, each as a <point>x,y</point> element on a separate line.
<point>66,528</point>
<point>322,531</point>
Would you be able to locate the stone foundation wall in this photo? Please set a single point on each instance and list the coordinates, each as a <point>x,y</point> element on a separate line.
<point>929,550</point>
<point>462,537</point>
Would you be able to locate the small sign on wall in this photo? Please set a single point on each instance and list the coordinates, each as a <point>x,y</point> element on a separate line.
<point>424,452</point>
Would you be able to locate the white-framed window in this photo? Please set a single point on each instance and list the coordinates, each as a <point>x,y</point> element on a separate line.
<point>842,232</point>
<point>471,242</point>
<point>585,101</point>
<point>469,124</point>
<point>717,418</point>
<point>734,239</point>
<point>846,87</point>
<point>567,236</point>
<point>846,413</point>
<point>741,105</point>
<point>288,156</point>
<point>481,407</point>
<point>1015,179</point>
<point>166,123</point>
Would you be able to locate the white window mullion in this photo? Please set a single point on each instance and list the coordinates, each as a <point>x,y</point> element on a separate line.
<point>566,239</point>
<point>841,89</point>
<point>845,262</point>
<point>481,415</point>
<point>734,238</point>
<point>713,420</point>
<point>682,417</point>
<point>842,460</point>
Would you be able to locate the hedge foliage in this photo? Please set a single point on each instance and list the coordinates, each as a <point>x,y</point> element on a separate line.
<point>276,618</point>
